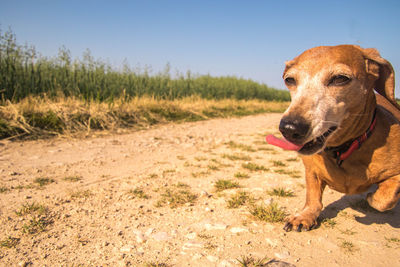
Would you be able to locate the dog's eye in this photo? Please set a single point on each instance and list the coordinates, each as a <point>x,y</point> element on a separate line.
<point>339,80</point>
<point>290,81</point>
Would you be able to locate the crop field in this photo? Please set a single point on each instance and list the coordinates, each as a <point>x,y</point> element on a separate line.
<point>42,96</point>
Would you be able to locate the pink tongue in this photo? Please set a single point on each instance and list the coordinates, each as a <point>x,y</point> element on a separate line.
<point>282,143</point>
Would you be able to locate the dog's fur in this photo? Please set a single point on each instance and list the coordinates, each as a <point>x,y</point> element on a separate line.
<point>332,89</point>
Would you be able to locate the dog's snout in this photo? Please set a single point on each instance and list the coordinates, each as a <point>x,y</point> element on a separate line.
<point>294,129</point>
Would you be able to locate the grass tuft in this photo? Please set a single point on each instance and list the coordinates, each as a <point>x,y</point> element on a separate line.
<point>31,208</point>
<point>239,199</point>
<point>249,261</point>
<point>241,175</point>
<point>75,178</point>
<point>175,197</point>
<point>236,156</point>
<point>43,181</point>
<point>9,242</point>
<point>234,145</point>
<point>221,185</point>
<point>271,213</point>
<point>281,192</point>
<point>139,193</point>
<point>254,167</point>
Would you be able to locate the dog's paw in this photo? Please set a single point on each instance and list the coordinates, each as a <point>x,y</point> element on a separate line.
<point>300,222</point>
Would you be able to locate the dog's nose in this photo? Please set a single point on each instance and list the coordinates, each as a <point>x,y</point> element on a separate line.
<point>294,129</point>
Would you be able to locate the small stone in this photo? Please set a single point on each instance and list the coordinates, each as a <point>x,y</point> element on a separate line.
<point>212,258</point>
<point>149,231</point>
<point>160,236</point>
<point>283,255</point>
<point>236,230</point>
<point>191,236</point>
<point>192,245</point>
<point>272,243</point>
<point>209,226</point>
<point>125,249</point>
<point>196,257</point>
<point>140,251</point>
<point>224,263</point>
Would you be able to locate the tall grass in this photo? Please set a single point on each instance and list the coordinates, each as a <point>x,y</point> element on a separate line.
<point>23,72</point>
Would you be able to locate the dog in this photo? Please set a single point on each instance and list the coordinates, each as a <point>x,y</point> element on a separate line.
<point>347,135</point>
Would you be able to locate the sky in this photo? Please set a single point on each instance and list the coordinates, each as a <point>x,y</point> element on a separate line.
<point>249,39</point>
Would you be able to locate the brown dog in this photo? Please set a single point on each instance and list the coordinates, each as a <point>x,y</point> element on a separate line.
<point>348,136</point>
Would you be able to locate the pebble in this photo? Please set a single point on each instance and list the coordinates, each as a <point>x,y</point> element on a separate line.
<point>212,258</point>
<point>272,243</point>
<point>196,257</point>
<point>192,245</point>
<point>191,236</point>
<point>126,249</point>
<point>224,263</point>
<point>283,255</point>
<point>149,231</point>
<point>209,226</point>
<point>160,236</point>
<point>236,230</point>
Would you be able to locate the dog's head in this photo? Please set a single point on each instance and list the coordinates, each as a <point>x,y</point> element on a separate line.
<point>332,95</point>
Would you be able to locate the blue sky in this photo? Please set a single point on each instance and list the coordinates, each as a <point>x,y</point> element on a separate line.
<point>249,39</point>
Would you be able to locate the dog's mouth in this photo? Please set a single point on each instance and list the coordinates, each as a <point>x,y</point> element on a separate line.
<point>308,148</point>
<point>316,144</point>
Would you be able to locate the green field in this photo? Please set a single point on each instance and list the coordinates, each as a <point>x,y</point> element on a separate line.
<point>41,96</point>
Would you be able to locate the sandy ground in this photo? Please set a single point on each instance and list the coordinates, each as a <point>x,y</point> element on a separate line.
<point>90,213</point>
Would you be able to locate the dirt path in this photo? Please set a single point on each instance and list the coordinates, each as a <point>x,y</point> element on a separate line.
<point>115,200</point>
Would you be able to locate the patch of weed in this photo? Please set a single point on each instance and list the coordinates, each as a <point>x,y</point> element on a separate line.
<point>348,232</point>
<point>74,178</point>
<point>292,159</point>
<point>239,199</point>
<point>278,163</point>
<point>213,167</point>
<point>330,223</point>
<point>81,194</point>
<point>222,184</point>
<point>254,167</point>
<point>43,181</point>
<point>243,147</point>
<point>156,264</point>
<point>249,261</point>
<point>236,156</point>
<point>31,208</point>
<point>347,246</point>
<point>139,193</point>
<point>36,225</point>
<point>4,189</point>
<point>271,213</point>
<point>176,197</point>
<point>281,192</point>
<point>153,175</point>
<point>9,242</point>
<point>182,185</point>
<point>241,175</point>
<point>200,174</point>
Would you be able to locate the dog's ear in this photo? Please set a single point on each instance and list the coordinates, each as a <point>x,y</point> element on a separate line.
<point>383,71</point>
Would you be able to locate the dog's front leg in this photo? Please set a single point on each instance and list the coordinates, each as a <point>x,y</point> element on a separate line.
<point>307,218</point>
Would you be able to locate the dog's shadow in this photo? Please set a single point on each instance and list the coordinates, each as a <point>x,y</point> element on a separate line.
<point>358,203</point>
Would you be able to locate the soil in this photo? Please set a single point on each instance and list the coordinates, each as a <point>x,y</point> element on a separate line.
<point>102,202</point>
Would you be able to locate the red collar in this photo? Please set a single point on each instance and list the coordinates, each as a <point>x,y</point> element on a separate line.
<point>342,152</point>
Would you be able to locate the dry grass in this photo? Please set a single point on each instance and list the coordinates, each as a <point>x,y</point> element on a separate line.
<point>36,117</point>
